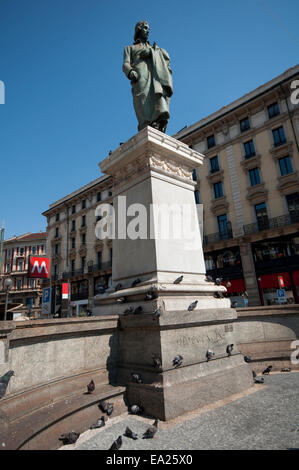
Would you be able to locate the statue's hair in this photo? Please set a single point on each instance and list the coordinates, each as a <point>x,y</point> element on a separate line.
<point>138,27</point>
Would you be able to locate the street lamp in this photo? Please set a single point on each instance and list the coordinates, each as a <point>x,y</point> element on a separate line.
<point>8,282</point>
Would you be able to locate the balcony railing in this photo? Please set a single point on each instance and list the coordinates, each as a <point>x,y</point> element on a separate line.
<point>268,224</point>
<point>217,237</point>
<point>92,268</point>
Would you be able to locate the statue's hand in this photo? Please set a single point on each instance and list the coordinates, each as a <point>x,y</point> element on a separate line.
<point>133,76</point>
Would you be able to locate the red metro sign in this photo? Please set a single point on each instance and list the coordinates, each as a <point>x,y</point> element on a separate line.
<point>39,267</point>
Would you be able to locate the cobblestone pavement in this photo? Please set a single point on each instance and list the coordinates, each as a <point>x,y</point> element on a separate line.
<point>265,418</point>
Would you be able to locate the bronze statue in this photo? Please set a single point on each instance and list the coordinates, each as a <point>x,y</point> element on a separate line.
<point>147,66</point>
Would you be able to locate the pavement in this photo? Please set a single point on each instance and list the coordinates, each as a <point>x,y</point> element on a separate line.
<point>265,417</point>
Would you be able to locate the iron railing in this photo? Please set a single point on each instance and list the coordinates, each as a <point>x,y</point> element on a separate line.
<point>268,224</point>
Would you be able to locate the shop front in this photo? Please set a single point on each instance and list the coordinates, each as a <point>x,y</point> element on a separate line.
<point>276,289</point>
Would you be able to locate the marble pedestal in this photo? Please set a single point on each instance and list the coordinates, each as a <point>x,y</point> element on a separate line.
<point>153,185</point>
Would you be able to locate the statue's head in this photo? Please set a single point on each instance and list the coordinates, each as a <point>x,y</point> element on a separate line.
<point>141,30</point>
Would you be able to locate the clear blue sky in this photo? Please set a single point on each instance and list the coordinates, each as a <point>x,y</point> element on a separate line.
<point>68,102</point>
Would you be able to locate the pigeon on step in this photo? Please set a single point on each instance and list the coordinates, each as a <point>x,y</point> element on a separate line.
<point>117,444</point>
<point>151,431</point>
<point>229,349</point>
<point>69,438</point>
<point>99,424</point>
<point>130,433</point>
<point>91,387</point>
<point>268,370</point>
<point>178,360</point>
<point>192,305</point>
<point>178,280</point>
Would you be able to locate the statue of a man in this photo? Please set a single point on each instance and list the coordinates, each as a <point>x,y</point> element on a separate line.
<point>151,78</point>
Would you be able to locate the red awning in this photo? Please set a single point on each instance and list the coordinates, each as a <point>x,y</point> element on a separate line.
<point>237,285</point>
<point>270,281</point>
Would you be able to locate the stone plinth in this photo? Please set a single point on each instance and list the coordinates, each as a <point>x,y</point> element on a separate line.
<point>152,175</point>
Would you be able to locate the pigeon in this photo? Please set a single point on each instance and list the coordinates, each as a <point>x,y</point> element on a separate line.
<point>99,424</point>
<point>259,380</point>
<point>121,300</point>
<point>137,281</point>
<point>69,438</point>
<point>192,305</point>
<point>178,280</point>
<point>136,378</point>
<point>178,360</point>
<point>158,312</point>
<point>253,374</point>
<point>128,310</point>
<point>209,354</point>
<point>151,431</point>
<point>136,409</point>
<point>268,370</point>
<point>105,407</point>
<point>4,382</point>
<point>234,304</point>
<point>138,309</point>
<point>218,281</point>
<point>157,361</point>
<point>150,295</point>
<point>117,287</point>
<point>247,358</point>
<point>91,387</point>
<point>209,279</point>
<point>130,433</point>
<point>218,295</point>
<point>117,444</point>
<point>286,369</point>
<point>229,349</point>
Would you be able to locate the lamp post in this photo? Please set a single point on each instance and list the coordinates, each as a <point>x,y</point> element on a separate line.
<point>7,286</point>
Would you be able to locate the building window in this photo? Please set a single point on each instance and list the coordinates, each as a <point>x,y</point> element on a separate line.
<point>73,226</point>
<point>31,283</point>
<point>99,197</point>
<point>249,149</point>
<point>244,124</point>
<point>21,251</point>
<point>57,217</point>
<point>214,164</point>
<point>84,204</point>
<point>83,221</point>
<point>83,259</point>
<point>99,259</point>
<point>109,193</point>
<point>254,175</point>
<point>33,250</point>
<point>194,175</point>
<point>218,189</point>
<point>20,265</point>
<point>56,249</point>
<point>211,141</point>
<point>278,136</point>
<point>285,165</point>
<point>19,284</point>
<point>293,206</point>
<point>8,267</point>
<point>73,242</point>
<point>223,226</point>
<point>110,256</point>
<point>261,216</point>
<point>73,209</point>
<point>83,239</point>
<point>56,232</point>
<point>72,265</point>
<point>273,110</point>
<point>196,195</point>
<point>9,253</point>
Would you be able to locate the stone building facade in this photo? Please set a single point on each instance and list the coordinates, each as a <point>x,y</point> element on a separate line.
<point>249,188</point>
<point>15,258</point>
<point>77,255</point>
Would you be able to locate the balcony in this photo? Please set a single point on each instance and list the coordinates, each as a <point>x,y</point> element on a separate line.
<point>269,224</point>
<point>93,268</point>
<point>217,237</point>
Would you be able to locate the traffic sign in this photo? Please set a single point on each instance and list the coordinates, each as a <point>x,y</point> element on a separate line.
<point>281,293</point>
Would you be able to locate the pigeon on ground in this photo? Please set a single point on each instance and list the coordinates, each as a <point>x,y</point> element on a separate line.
<point>286,369</point>
<point>247,358</point>
<point>268,370</point>
<point>192,305</point>
<point>130,433</point>
<point>151,431</point>
<point>209,354</point>
<point>157,361</point>
<point>178,280</point>
<point>218,281</point>
<point>136,409</point>
<point>117,444</point>
<point>128,310</point>
<point>121,300</point>
<point>253,374</point>
<point>137,281</point>
<point>229,349</point>
<point>159,311</point>
<point>4,382</point>
<point>91,387</point>
<point>117,287</point>
<point>136,378</point>
<point>218,295</point>
<point>105,407</point>
<point>178,360</point>
<point>99,424</point>
<point>138,309</point>
<point>259,380</point>
<point>69,438</point>
<point>150,295</point>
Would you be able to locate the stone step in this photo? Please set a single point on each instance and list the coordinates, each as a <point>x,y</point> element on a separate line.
<point>41,428</point>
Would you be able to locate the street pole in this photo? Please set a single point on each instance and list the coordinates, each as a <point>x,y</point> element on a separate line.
<point>1,244</point>
<point>6,302</point>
